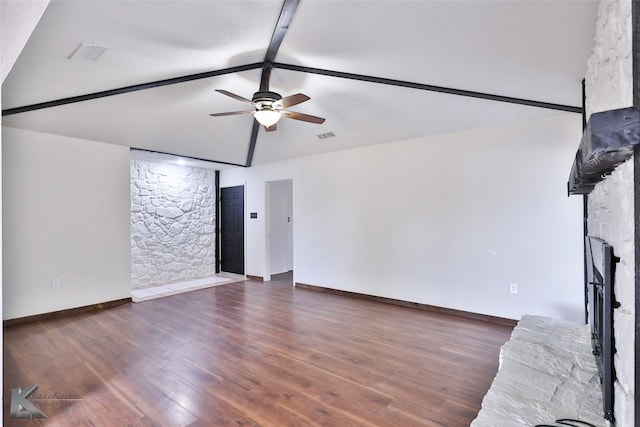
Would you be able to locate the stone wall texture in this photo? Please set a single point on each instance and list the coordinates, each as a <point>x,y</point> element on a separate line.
<point>609,83</point>
<point>546,372</point>
<point>172,223</point>
<point>609,77</point>
<point>611,219</point>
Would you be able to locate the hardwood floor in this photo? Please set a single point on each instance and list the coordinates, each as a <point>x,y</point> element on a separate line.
<point>253,354</point>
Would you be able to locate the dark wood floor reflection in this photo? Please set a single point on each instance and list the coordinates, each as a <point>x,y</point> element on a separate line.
<point>253,354</point>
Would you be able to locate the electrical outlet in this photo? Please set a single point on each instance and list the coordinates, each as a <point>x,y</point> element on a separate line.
<point>513,288</point>
<point>55,283</point>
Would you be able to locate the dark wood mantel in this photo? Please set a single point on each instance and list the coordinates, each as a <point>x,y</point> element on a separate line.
<point>608,140</point>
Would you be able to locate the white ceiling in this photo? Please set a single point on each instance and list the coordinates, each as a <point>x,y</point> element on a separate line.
<point>534,50</point>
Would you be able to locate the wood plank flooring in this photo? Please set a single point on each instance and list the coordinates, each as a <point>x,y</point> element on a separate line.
<point>253,354</point>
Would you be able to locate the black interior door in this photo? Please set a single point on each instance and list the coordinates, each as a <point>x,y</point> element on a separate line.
<point>232,229</point>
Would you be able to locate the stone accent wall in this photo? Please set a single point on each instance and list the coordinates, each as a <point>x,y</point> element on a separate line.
<point>609,83</point>
<point>609,76</point>
<point>172,223</point>
<point>611,219</point>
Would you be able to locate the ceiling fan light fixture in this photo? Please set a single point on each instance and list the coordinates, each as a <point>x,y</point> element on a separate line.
<point>267,117</point>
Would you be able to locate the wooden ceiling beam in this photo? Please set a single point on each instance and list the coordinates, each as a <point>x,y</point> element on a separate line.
<point>128,89</point>
<point>432,88</point>
<point>287,12</point>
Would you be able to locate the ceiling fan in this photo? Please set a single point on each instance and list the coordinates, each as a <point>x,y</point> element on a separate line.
<point>269,108</point>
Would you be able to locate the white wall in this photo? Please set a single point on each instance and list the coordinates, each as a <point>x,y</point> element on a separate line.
<point>18,18</point>
<point>17,21</point>
<point>448,220</point>
<point>66,217</point>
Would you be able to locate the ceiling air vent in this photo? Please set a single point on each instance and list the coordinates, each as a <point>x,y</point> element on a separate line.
<point>326,135</point>
<point>88,52</point>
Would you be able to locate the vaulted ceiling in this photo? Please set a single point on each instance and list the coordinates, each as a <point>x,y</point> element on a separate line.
<point>370,68</point>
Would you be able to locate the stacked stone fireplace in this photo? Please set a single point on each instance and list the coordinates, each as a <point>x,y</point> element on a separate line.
<point>604,173</point>
<point>611,193</point>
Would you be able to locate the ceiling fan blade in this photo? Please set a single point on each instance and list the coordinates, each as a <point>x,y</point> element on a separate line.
<point>303,117</point>
<point>232,113</point>
<point>292,100</point>
<point>234,96</point>
<point>272,128</point>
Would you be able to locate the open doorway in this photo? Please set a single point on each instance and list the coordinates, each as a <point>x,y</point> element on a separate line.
<point>279,228</point>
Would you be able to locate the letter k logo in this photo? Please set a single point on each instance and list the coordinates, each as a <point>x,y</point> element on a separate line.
<point>21,407</point>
